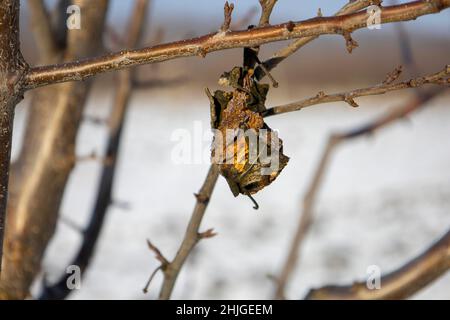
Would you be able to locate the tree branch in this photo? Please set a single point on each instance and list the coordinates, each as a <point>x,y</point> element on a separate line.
<point>12,69</point>
<point>267,7</point>
<point>351,7</point>
<point>192,236</point>
<point>303,225</point>
<point>399,284</point>
<point>334,140</point>
<point>227,11</point>
<point>348,97</point>
<point>80,70</point>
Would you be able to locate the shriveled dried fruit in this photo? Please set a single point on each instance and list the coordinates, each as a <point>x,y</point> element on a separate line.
<point>249,153</point>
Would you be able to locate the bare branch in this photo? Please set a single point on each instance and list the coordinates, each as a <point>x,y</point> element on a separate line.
<point>227,11</point>
<point>192,235</point>
<point>304,223</point>
<point>351,7</point>
<point>438,78</point>
<point>267,7</point>
<point>42,29</point>
<point>150,279</point>
<point>12,69</point>
<point>392,76</point>
<point>80,70</point>
<point>158,254</point>
<point>311,194</point>
<point>163,266</point>
<point>399,284</point>
<point>350,43</point>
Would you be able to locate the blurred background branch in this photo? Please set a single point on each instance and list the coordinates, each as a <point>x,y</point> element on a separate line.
<point>42,169</point>
<point>46,157</point>
<point>399,284</point>
<point>123,91</point>
<point>344,25</point>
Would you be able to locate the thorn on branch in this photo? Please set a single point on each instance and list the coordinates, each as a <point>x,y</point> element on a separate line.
<point>349,42</point>
<point>227,11</point>
<point>320,95</point>
<point>207,234</point>
<point>319,12</point>
<point>158,255</point>
<point>351,101</point>
<point>392,76</point>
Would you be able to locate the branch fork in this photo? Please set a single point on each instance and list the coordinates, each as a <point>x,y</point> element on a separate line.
<point>227,11</point>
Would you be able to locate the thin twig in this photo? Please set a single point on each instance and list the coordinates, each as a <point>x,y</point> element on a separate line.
<point>311,194</point>
<point>192,235</point>
<point>80,70</point>
<point>351,7</point>
<point>348,97</point>
<point>227,11</point>
<point>159,256</point>
<point>399,284</point>
<point>149,281</point>
<point>267,7</point>
<point>304,223</point>
<point>250,59</point>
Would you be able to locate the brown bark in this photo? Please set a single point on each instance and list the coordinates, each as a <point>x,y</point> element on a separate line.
<point>41,172</point>
<point>399,284</point>
<point>12,68</point>
<point>192,235</point>
<point>340,25</point>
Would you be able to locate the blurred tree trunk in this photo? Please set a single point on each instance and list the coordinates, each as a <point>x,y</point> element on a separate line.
<point>39,176</point>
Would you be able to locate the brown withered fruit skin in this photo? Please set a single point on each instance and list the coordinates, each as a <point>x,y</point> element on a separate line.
<point>241,109</point>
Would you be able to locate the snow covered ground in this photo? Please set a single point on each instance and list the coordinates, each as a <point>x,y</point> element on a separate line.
<point>384,200</point>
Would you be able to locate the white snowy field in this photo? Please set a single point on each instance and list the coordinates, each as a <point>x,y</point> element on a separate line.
<point>384,200</point>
